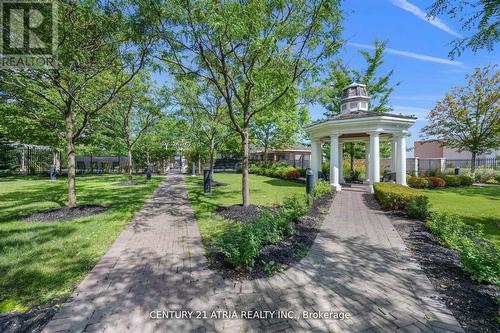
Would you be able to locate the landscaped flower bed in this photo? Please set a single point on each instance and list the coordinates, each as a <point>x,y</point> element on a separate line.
<point>278,237</point>
<point>479,257</point>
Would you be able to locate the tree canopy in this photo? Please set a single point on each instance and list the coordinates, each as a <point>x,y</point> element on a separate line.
<point>468,118</point>
<point>480,17</point>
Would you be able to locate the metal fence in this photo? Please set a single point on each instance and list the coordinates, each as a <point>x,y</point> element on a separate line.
<point>29,159</point>
<point>26,159</point>
<point>486,163</point>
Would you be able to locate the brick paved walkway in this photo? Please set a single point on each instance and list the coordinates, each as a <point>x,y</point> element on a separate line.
<point>358,264</point>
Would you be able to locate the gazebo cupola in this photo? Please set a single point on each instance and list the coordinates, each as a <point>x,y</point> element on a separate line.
<point>354,98</point>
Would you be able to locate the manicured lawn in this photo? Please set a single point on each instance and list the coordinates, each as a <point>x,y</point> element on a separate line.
<point>263,191</point>
<point>476,204</point>
<point>43,261</point>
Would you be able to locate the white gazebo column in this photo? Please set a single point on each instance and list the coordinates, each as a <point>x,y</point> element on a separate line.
<point>374,158</point>
<point>341,163</point>
<point>367,162</point>
<point>315,158</point>
<point>394,154</point>
<point>401,168</point>
<point>334,161</point>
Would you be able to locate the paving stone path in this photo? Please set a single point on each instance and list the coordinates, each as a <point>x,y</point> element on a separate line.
<point>358,265</point>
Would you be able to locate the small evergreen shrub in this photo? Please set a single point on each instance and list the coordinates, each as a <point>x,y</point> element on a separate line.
<point>479,257</point>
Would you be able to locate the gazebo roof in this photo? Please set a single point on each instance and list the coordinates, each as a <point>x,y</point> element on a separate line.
<point>361,114</point>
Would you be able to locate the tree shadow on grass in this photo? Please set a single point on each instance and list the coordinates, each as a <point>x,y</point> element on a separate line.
<point>284,183</point>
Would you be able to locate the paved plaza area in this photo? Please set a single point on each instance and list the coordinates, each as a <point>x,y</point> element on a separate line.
<point>358,268</point>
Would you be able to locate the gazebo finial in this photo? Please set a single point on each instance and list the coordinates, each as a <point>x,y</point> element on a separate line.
<point>354,98</point>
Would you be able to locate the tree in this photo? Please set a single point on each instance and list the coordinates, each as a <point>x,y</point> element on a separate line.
<point>204,110</point>
<point>480,16</point>
<point>102,49</point>
<point>378,87</point>
<point>252,52</point>
<point>468,118</point>
<point>134,111</point>
<point>280,127</point>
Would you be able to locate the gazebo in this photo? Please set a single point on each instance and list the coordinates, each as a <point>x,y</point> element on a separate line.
<point>356,122</point>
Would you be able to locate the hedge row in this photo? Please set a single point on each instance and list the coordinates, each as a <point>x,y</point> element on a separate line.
<point>276,170</point>
<point>439,181</point>
<point>479,257</point>
<point>399,197</point>
<point>242,243</point>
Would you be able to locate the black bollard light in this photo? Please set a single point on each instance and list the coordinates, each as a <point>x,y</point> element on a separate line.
<point>148,172</point>
<point>207,182</point>
<point>309,181</point>
<point>52,172</point>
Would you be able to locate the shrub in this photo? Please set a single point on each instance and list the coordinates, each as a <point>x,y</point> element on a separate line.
<point>479,256</point>
<point>491,181</point>
<point>399,197</point>
<point>451,180</point>
<point>417,207</point>
<point>482,175</point>
<point>275,170</point>
<point>291,174</point>
<point>325,168</point>
<point>294,207</point>
<point>417,182</point>
<point>321,188</point>
<point>240,245</point>
<point>466,180</point>
<point>436,182</point>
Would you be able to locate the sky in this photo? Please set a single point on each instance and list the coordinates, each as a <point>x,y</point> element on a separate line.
<point>417,50</point>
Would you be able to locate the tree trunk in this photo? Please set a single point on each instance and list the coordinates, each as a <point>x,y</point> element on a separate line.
<point>129,162</point>
<point>473,164</point>
<point>70,149</point>
<point>212,155</point>
<point>266,157</point>
<point>244,169</point>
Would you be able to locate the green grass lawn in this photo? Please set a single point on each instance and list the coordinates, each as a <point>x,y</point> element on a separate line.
<point>476,204</point>
<point>263,191</point>
<point>44,261</point>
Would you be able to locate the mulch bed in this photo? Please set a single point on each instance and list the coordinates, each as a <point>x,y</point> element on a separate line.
<point>31,321</point>
<point>239,213</point>
<point>472,303</point>
<point>286,252</point>
<point>65,213</point>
